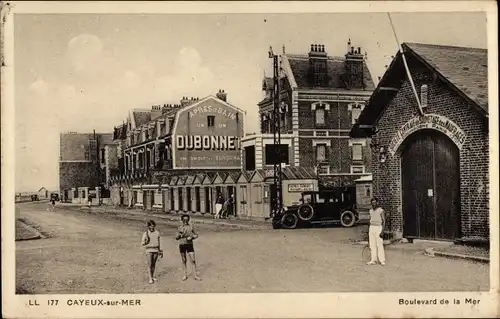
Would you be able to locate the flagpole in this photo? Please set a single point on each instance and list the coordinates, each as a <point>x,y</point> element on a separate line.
<point>406,66</point>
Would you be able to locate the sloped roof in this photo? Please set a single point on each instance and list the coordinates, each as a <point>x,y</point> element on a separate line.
<point>465,68</point>
<point>336,67</point>
<point>141,117</point>
<point>267,83</point>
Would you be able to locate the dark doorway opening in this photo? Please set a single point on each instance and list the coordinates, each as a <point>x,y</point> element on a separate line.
<point>430,170</point>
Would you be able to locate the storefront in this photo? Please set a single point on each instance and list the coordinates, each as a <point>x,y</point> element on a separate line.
<point>430,163</point>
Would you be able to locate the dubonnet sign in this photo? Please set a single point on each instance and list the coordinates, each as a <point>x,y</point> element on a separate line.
<point>429,121</point>
<point>206,135</point>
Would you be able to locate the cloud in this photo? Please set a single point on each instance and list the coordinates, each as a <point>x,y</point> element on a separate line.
<point>39,87</point>
<point>83,51</point>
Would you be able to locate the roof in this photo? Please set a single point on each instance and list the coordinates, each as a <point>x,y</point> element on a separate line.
<point>292,173</point>
<point>267,83</point>
<point>141,117</point>
<point>336,67</point>
<point>463,69</point>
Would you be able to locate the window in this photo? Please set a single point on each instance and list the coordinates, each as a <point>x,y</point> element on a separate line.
<point>321,152</point>
<point>323,170</point>
<point>357,169</point>
<point>357,152</point>
<point>320,115</point>
<point>141,160</point>
<point>423,95</point>
<point>75,194</point>
<point>368,191</point>
<point>356,111</point>
<point>211,121</point>
<point>152,157</point>
<point>103,157</point>
<point>87,156</point>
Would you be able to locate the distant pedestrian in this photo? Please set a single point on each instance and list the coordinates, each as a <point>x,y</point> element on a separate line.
<point>89,201</point>
<point>186,235</point>
<point>219,202</point>
<point>53,204</point>
<point>228,207</point>
<point>375,233</point>
<point>151,241</point>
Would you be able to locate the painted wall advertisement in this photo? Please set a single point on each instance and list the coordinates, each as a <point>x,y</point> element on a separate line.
<point>429,121</point>
<point>207,135</point>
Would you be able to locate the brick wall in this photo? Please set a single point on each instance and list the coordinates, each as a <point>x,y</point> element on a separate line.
<point>474,158</point>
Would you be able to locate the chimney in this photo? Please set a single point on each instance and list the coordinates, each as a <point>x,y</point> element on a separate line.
<point>318,66</point>
<point>354,63</point>
<point>221,95</point>
<point>184,101</point>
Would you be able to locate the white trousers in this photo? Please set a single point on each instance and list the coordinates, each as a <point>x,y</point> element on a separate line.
<point>376,243</point>
<point>218,208</point>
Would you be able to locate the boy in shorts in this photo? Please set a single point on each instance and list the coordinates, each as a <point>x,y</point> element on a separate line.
<point>185,235</point>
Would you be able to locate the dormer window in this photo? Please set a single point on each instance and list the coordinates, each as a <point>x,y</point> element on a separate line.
<point>319,73</point>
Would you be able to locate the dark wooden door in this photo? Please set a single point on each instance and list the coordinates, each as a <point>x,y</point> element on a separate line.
<point>431,187</point>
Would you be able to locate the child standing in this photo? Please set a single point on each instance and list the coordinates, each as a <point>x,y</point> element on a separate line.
<point>185,235</point>
<point>151,241</point>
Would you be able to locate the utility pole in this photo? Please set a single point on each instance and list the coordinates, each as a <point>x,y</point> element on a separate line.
<point>276,118</point>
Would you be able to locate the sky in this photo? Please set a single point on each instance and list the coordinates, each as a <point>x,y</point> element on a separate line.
<point>80,72</point>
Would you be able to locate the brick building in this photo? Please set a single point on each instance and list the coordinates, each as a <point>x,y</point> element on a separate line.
<point>82,163</point>
<point>322,97</point>
<point>193,137</point>
<point>431,169</point>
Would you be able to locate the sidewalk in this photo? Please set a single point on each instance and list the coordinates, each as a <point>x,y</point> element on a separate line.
<point>197,218</point>
<point>478,254</point>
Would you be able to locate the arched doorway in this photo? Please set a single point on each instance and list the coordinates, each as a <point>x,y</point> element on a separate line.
<point>430,170</point>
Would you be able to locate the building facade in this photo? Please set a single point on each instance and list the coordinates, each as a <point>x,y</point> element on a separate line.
<point>82,164</point>
<point>193,137</point>
<point>321,98</point>
<point>431,167</point>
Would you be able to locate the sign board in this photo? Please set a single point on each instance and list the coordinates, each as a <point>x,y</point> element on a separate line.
<point>299,188</point>
<point>428,121</point>
<point>206,135</point>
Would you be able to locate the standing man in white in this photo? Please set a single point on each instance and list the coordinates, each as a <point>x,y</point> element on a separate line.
<point>375,232</point>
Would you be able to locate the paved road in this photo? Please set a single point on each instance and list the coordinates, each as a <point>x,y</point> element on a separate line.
<point>94,253</point>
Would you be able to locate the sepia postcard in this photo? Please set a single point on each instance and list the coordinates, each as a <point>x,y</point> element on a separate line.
<point>249,159</point>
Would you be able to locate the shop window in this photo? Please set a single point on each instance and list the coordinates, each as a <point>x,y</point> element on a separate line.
<point>357,169</point>
<point>357,152</point>
<point>321,152</point>
<point>320,115</point>
<point>211,121</point>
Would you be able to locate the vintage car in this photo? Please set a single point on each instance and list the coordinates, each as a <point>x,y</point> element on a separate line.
<point>323,207</point>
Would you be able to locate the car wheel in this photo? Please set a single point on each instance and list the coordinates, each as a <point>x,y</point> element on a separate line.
<point>347,219</point>
<point>289,221</point>
<point>306,212</point>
